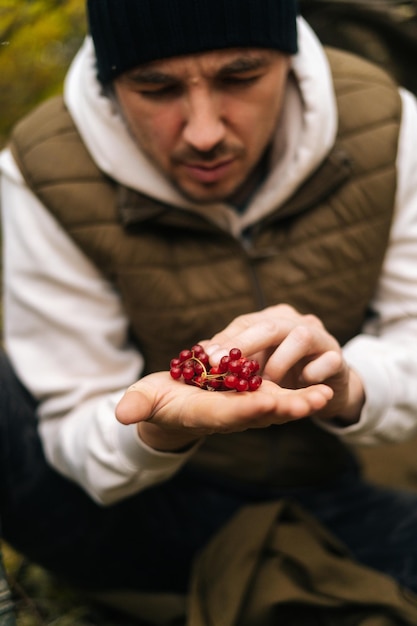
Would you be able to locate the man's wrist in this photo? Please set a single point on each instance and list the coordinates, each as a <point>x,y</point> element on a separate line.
<point>356,400</point>
<point>165,440</point>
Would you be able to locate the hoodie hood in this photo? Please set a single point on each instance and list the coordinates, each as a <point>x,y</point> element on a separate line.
<point>304,136</point>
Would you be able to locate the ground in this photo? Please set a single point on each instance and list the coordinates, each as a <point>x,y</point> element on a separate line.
<point>43,601</point>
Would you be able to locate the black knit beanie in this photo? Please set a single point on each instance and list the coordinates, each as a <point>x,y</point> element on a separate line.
<point>127,33</point>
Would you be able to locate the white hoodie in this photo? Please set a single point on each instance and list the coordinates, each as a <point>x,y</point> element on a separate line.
<point>65,330</point>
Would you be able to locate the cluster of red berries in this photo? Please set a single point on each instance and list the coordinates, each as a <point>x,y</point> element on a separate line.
<point>233,372</point>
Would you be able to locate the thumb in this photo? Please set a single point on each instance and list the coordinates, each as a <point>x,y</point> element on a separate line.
<point>136,405</point>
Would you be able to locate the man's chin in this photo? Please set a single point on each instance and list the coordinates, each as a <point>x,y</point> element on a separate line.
<point>205,196</point>
<point>209,193</point>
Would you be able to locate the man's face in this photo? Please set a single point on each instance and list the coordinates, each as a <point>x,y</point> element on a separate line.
<point>206,120</point>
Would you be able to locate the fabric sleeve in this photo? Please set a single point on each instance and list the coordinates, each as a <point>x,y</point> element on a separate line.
<point>66,335</point>
<point>385,355</point>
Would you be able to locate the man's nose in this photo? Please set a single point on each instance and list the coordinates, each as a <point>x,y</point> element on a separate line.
<point>204,127</point>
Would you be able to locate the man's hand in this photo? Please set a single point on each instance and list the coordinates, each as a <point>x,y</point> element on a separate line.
<point>304,374</point>
<point>296,352</point>
<point>172,415</point>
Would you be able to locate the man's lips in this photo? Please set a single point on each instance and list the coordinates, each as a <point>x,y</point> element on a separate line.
<point>208,172</point>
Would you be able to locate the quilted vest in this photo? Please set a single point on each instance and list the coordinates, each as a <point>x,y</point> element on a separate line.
<point>182,278</point>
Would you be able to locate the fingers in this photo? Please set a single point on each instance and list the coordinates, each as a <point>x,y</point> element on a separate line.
<point>253,339</point>
<point>323,368</point>
<point>294,344</point>
<point>305,343</point>
<point>293,404</point>
<point>261,332</point>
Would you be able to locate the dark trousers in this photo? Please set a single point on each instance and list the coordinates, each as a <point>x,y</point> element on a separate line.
<point>147,542</point>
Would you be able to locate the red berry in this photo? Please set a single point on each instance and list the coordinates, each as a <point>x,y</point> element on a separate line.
<point>204,359</point>
<point>198,368</point>
<point>235,353</point>
<point>224,363</point>
<point>242,385</point>
<point>235,366</point>
<point>214,383</point>
<point>230,381</point>
<point>254,383</point>
<point>245,372</point>
<point>176,372</point>
<point>188,373</point>
<point>184,355</point>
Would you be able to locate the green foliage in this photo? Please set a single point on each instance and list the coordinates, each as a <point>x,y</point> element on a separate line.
<point>38,39</point>
<point>42,600</point>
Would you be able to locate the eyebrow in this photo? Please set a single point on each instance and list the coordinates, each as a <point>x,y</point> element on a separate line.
<point>148,75</point>
<point>242,64</point>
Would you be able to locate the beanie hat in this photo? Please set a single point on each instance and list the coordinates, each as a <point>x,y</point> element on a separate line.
<point>127,33</point>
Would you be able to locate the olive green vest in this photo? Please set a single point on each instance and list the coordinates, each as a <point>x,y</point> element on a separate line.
<point>181,278</point>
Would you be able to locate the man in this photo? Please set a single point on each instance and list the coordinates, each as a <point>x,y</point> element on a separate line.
<point>213,176</point>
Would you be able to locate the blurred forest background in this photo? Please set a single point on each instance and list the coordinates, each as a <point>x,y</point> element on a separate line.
<point>38,39</point>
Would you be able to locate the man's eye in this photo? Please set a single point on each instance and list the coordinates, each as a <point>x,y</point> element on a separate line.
<point>158,93</point>
<point>240,80</point>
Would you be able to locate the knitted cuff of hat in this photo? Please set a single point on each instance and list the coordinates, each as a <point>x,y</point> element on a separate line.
<point>127,33</point>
